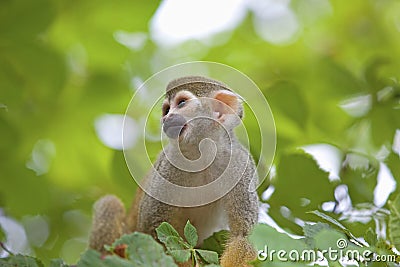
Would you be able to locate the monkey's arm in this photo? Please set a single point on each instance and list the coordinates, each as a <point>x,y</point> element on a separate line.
<point>147,213</point>
<point>151,213</point>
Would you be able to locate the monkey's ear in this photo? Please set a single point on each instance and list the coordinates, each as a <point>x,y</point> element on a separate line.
<point>227,108</point>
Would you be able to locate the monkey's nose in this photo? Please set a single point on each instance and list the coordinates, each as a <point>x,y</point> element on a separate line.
<point>173,125</point>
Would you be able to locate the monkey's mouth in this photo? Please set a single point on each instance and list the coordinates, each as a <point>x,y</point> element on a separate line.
<point>175,131</point>
<point>182,131</point>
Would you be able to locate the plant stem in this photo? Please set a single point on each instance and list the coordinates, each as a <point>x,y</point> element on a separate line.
<point>5,249</point>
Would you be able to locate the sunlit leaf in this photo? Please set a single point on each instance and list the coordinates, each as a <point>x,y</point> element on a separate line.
<point>300,186</point>
<point>361,179</point>
<point>166,230</point>
<point>283,95</point>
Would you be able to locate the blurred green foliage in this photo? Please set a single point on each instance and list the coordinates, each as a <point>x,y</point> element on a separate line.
<point>61,67</point>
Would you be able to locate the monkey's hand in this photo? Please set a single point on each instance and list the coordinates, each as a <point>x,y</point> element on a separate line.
<point>238,253</point>
<point>108,222</point>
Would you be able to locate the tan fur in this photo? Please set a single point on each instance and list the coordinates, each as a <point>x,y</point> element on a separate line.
<point>238,253</point>
<point>236,211</point>
<point>108,222</point>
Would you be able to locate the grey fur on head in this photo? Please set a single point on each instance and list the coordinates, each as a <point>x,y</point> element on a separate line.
<point>198,85</point>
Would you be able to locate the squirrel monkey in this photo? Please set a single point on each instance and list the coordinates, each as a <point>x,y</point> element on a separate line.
<point>195,109</point>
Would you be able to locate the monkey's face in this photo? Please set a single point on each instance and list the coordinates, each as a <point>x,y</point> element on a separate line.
<point>182,113</point>
<point>189,119</point>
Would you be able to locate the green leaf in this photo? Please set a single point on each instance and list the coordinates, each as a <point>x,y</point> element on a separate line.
<point>166,230</point>
<point>216,242</point>
<point>116,261</point>
<point>121,175</point>
<point>394,222</point>
<point>333,239</point>
<point>58,263</point>
<point>360,174</point>
<point>10,133</point>
<point>177,248</point>
<point>370,237</point>
<point>329,219</point>
<point>174,243</point>
<point>382,247</point>
<point>180,255</point>
<point>340,80</point>
<point>311,230</point>
<point>208,256</point>
<point>335,223</point>
<point>393,162</point>
<point>2,234</point>
<point>266,238</point>
<point>300,186</point>
<point>25,19</point>
<point>109,248</point>
<point>144,250</point>
<point>191,234</point>
<point>93,258</point>
<point>20,261</point>
<point>385,120</point>
<point>357,227</point>
<point>371,74</point>
<point>284,94</point>
<point>328,238</point>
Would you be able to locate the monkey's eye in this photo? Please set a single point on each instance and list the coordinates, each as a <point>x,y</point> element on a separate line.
<point>181,103</point>
<point>165,110</point>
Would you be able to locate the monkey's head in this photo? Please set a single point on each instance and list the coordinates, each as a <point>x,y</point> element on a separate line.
<point>197,107</point>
